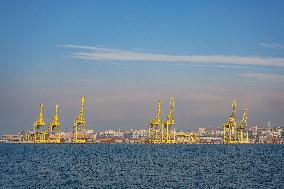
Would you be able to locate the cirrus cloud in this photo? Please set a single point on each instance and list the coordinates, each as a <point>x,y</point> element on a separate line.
<point>271,45</point>
<point>107,54</point>
<point>263,76</point>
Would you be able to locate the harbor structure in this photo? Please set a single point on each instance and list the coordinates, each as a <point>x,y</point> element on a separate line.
<point>162,132</point>
<point>233,133</point>
<point>54,128</point>
<point>80,125</point>
<point>40,134</point>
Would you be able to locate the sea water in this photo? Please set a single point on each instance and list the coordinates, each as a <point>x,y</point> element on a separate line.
<point>141,166</point>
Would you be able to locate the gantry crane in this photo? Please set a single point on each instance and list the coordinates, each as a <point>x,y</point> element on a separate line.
<point>40,136</point>
<point>168,125</point>
<point>230,132</point>
<point>80,125</point>
<point>154,126</point>
<point>243,129</point>
<point>54,128</point>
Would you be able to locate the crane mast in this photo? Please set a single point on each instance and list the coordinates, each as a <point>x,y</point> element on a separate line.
<point>80,125</point>
<point>40,136</point>
<point>54,127</point>
<point>153,128</point>
<point>243,128</point>
<point>230,134</point>
<point>168,125</point>
<point>158,114</point>
<point>40,121</point>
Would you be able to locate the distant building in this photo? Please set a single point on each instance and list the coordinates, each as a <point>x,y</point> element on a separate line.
<point>254,130</point>
<point>90,131</point>
<point>201,131</point>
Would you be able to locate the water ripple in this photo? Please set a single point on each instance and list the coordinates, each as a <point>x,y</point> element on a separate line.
<point>141,166</point>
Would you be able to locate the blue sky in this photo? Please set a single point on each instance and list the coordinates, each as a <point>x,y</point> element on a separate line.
<point>125,55</point>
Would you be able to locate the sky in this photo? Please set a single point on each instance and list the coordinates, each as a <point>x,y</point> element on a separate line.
<point>126,55</point>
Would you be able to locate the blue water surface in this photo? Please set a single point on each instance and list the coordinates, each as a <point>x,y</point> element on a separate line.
<point>141,166</point>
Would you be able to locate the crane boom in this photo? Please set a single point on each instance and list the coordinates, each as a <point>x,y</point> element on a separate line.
<point>40,121</point>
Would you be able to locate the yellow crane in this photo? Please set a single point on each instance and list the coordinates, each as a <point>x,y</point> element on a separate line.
<point>21,136</point>
<point>54,128</point>
<point>154,126</point>
<point>168,125</point>
<point>193,138</point>
<point>230,132</point>
<point>187,137</point>
<point>80,125</point>
<point>243,129</point>
<point>40,136</point>
<point>28,136</point>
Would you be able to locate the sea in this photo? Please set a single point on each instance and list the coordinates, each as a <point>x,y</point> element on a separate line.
<point>141,166</point>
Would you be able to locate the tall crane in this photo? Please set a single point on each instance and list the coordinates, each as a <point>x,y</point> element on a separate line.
<point>37,125</point>
<point>243,129</point>
<point>168,125</point>
<point>54,127</point>
<point>153,128</point>
<point>230,132</point>
<point>80,125</point>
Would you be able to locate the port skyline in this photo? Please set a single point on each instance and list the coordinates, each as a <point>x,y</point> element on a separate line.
<point>124,59</point>
<point>141,94</point>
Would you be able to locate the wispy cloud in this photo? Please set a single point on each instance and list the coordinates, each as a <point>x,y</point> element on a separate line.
<point>82,81</point>
<point>263,76</point>
<point>271,45</point>
<point>209,65</point>
<point>108,54</point>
